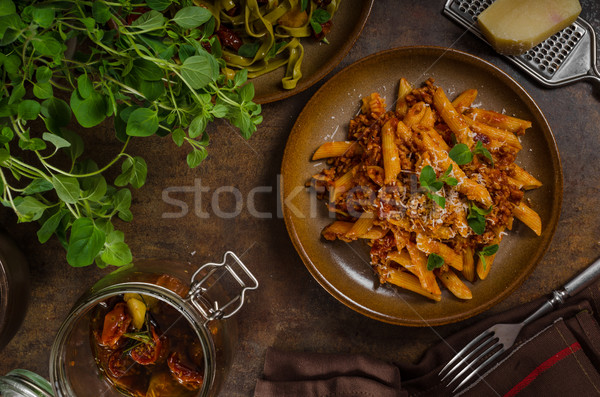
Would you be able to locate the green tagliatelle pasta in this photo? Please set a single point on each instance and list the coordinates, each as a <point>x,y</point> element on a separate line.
<point>264,35</point>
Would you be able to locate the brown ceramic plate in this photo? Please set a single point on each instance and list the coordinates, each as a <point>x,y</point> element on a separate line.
<point>343,269</point>
<point>319,58</point>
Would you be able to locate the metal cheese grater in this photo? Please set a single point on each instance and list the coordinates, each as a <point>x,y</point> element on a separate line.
<point>566,57</point>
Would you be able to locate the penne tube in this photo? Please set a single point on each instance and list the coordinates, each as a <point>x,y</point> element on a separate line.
<point>453,119</point>
<point>499,120</point>
<point>464,100</point>
<point>527,180</point>
<point>419,262</point>
<point>404,88</point>
<point>338,230</point>
<point>373,105</point>
<point>525,214</point>
<point>469,264</point>
<point>454,284</point>
<point>414,114</point>
<point>402,258</point>
<point>342,184</point>
<point>336,149</point>
<point>407,281</point>
<point>403,132</point>
<point>391,156</point>
<point>503,136</point>
<point>361,226</point>
<point>484,270</point>
<point>428,119</point>
<point>430,246</point>
<point>433,134</point>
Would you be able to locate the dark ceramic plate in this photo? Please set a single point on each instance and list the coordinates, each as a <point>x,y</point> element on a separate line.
<point>343,269</point>
<point>319,58</point>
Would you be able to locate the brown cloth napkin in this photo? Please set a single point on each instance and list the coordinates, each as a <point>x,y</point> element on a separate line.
<point>557,355</point>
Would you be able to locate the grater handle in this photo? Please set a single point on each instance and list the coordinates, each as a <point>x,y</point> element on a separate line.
<point>593,74</point>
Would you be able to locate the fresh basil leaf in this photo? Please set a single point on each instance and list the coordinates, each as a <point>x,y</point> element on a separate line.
<point>247,92</point>
<point>147,70</point>
<point>200,70</point>
<point>58,110</point>
<point>186,51</point>
<point>47,45</point>
<point>149,21</point>
<point>67,188</point>
<point>43,16</point>
<point>241,76</point>
<point>136,170</point>
<point>159,5</point>
<point>43,90</point>
<point>50,225</point>
<point>249,50</point>
<point>4,155</point>
<point>56,140</point>
<point>317,27</point>
<point>32,144</point>
<point>461,154</point>
<point>38,185</point>
<point>122,200</point>
<point>29,208</point>
<point>97,190</point>
<point>85,86</point>
<point>100,12</point>
<point>85,242</point>
<point>142,122</point>
<point>191,17</point>
<point>178,136</point>
<point>427,176</point>
<point>89,112</point>
<point>489,250</point>
<point>17,94</point>
<point>439,200</point>
<point>195,157</point>
<point>116,252</point>
<point>6,135</point>
<point>477,224</point>
<point>43,74</point>
<point>12,63</point>
<point>320,16</point>
<point>197,126</point>
<point>7,7</point>
<point>434,261</point>
<point>28,109</point>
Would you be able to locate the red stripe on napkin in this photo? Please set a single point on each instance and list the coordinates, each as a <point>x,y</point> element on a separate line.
<point>543,367</point>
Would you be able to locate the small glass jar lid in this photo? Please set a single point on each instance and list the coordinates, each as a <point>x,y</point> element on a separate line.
<point>24,383</point>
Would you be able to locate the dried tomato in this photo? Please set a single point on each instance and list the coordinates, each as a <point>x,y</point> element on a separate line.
<point>326,28</point>
<point>188,377</point>
<point>115,325</point>
<point>229,38</point>
<point>150,353</point>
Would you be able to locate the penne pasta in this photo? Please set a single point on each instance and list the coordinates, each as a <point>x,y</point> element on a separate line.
<point>336,149</point>
<point>411,283</point>
<point>430,209</point>
<point>499,120</point>
<point>404,88</point>
<point>455,120</point>
<point>526,180</point>
<point>391,157</point>
<point>454,284</point>
<point>464,100</point>
<point>525,214</point>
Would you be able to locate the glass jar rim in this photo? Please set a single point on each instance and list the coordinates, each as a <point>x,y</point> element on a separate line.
<point>194,317</point>
<point>26,383</point>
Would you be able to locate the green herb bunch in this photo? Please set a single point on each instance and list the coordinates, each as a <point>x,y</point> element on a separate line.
<point>146,68</point>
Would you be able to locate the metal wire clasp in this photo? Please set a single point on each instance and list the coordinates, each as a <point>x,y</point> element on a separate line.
<point>213,309</point>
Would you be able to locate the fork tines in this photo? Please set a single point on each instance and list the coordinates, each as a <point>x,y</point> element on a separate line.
<point>472,358</point>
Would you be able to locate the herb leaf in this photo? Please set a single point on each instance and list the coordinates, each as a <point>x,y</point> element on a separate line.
<point>487,251</point>
<point>479,149</point>
<point>191,17</point>
<point>461,154</point>
<point>434,261</point>
<point>476,218</point>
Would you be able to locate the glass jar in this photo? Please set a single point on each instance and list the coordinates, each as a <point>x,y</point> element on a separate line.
<point>23,383</point>
<point>216,293</point>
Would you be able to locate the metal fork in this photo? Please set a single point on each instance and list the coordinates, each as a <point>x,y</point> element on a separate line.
<point>494,341</point>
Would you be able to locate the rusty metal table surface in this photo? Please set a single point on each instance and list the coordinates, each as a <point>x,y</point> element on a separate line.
<point>290,310</point>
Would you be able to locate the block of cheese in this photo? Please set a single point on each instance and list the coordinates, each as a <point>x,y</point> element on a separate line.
<point>515,26</point>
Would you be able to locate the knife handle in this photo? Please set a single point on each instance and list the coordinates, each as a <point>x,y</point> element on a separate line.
<point>583,279</point>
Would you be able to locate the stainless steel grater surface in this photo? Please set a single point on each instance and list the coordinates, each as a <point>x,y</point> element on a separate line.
<point>566,57</point>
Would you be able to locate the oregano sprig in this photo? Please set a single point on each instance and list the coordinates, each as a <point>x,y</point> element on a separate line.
<point>476,218</point>
<point>146,68</point>
<point>487,251</point>
<point>461,154</point>
<point>432,184</point>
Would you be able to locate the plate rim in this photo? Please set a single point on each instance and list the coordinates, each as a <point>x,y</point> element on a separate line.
<point>510,288</point>
<point>304,84</point>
